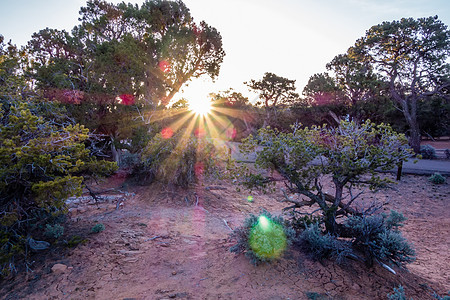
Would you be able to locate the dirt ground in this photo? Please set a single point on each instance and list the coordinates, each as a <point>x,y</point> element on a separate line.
<point>444,143</point>
<point>162,244</point>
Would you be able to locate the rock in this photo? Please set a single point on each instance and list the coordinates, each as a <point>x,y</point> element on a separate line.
<point>38,245</point>
<point>59,268</point>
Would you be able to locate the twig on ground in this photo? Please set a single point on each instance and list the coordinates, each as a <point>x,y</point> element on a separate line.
<point>209,188</point>
<point>151,239</point>
<point>226,224</point>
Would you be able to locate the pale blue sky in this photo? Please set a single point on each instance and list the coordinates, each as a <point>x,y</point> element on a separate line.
<point>292,38</point>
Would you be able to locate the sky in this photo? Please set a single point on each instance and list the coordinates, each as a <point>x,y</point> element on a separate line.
<point>291,38</point>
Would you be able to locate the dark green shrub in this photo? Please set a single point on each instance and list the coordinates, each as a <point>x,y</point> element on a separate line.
<point>42,163</point>
<point>180,159</point>
<point>427,152</point>
<point>262,238</point>
<point>98,228</point>
<point>54,231</point>
<point>398,294</point>
<point>322,245</point>
<point>316,296</point>
<point>437,178</point>
<point>378,237</point>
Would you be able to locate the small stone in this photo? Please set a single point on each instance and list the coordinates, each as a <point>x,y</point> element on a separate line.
<point>59,268</point>
<point>174,272</point>
<point>172,295</point>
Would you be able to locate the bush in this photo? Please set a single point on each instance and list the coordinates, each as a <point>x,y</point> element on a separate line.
<point>437,178</point>
<point>398,294</point>
<point>41,164</point>
<point>378,237</point>
<point>262,238</point>
<point>324,245</point>
<point>427,152</point>
<point>54,231</point>
<point>447,153</point>
<point>98,228</point>
<point>180,160</point>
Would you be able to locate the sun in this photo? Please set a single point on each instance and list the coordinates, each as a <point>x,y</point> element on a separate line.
<point>199,106</point>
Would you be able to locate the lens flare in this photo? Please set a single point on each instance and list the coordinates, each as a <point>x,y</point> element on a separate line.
<point>264,223</point>
<point>167,133</point>
<point>250,198</point>
<point>199,107</point>
<point>164,66</point>
<point>267,239</point>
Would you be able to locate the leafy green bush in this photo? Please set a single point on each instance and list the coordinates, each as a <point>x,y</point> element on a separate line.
<point>180,160</point>
<point>427,152</point>
<point>41,164</point>
<point>437,178</point>
<point>98,228</point>
<point>262,238</point>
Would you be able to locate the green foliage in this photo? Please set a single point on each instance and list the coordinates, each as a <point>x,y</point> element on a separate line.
<point>350,155</point>
<point>180,160</point>
<point>412,55</point>
<point>275,92</point>
<point>98,228</point>
<point>378,237</point>
<point>324,245</point>
<point>346,153</point>
<point>148,51</point>
<point>427,152</point>
<point>316,296</point>
<point>75,241</point>
<point>54,231</point>
<point>398,294</point>
<point>41,165</point>
<point>262,238</point>
<point>437,178</point>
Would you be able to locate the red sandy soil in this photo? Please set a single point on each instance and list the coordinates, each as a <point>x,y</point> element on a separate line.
<point>160,245</point>
<point>438,144</point>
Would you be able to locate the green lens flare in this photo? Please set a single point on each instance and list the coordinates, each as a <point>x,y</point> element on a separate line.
<point>267,239</point>
<point>264,223</point>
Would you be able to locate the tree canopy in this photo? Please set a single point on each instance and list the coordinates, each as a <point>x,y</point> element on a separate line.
<point>148,51</point>
<point>411,55</point>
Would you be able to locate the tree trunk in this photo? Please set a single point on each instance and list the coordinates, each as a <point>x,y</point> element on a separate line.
<point>114,151</point>
<point>414,138</point>
<point>330,220</point>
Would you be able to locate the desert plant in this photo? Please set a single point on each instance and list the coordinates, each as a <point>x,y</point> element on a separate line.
<point>378,237</point>
<point>447,153</point>
<point>427,152</point>
<point>42,163</point>
<point>437,178</point>
<point>349,155</point>
<point>98,228</point>
<point>54,231</point>
<point>262,238</point>
<point>316,296</point>
<point>322,245</point>
<point>398,294</point>
<point>181,159</point>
